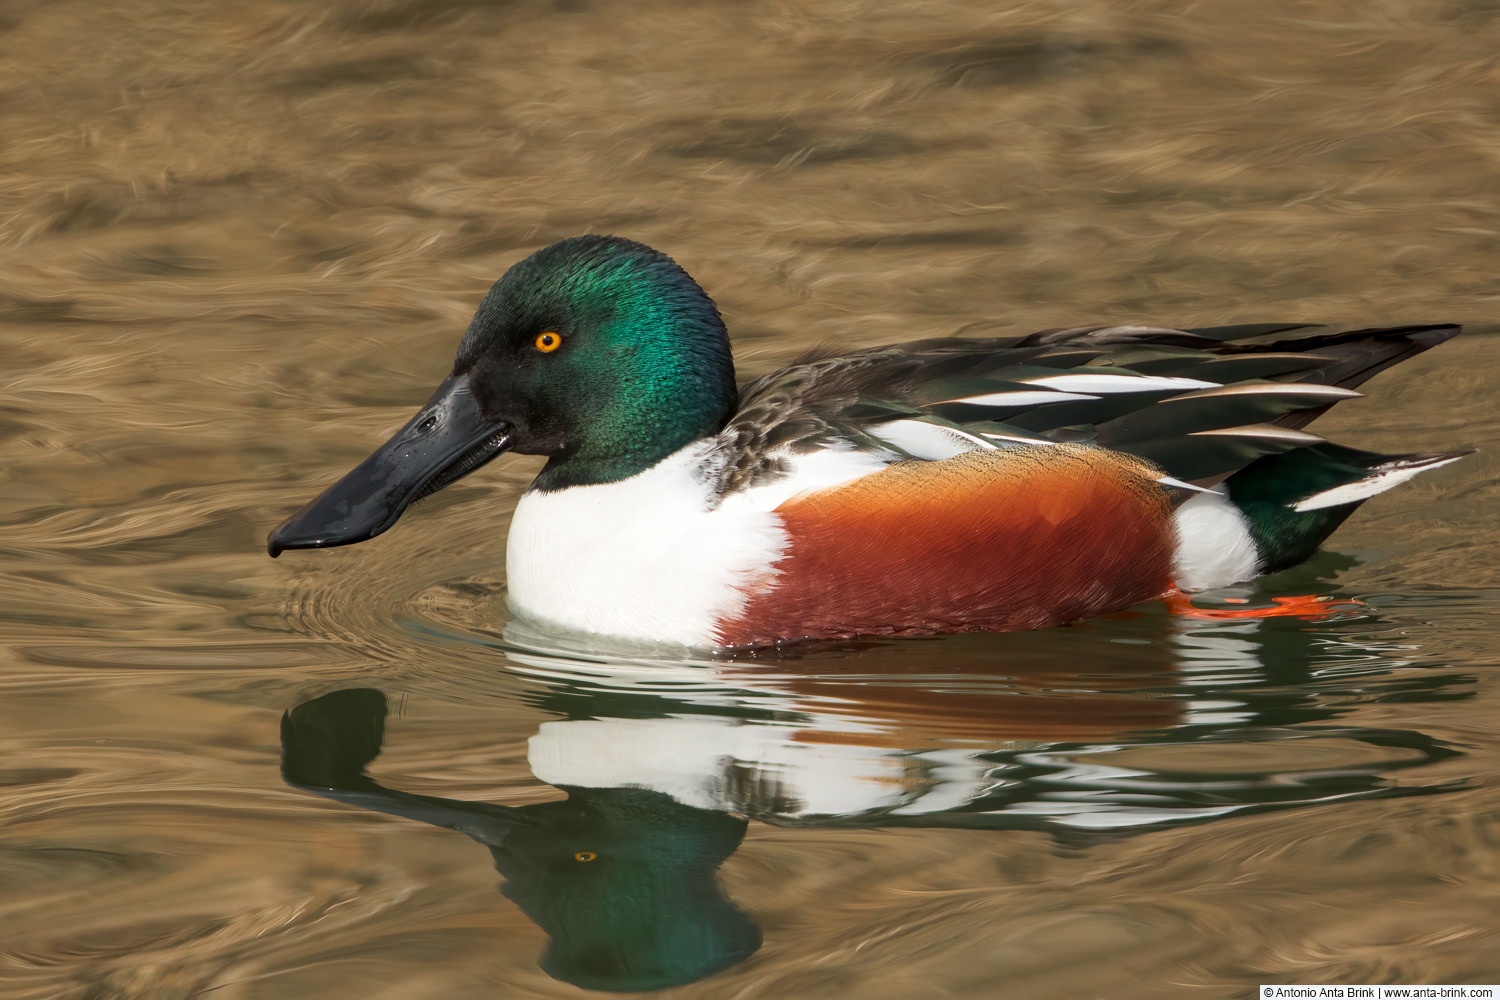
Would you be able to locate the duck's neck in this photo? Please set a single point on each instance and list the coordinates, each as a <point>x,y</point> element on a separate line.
<point>581,468</point>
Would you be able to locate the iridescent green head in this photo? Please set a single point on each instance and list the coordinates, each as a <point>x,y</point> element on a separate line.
<point>598,352</point>
<point>601,353</point>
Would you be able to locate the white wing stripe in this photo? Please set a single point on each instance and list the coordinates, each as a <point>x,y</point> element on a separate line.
<point>1363,489</point>
<point>1009,439</point>
<point>1119,383</point>
<point>1020,398</point>
<point>932,442</point>
<point>1172,481</point>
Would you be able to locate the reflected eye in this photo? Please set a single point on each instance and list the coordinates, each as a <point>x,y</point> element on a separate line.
<point>547,342</point>
<point>585,856</point>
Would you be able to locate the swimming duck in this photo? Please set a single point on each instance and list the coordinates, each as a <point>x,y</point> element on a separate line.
<point>942,485</point>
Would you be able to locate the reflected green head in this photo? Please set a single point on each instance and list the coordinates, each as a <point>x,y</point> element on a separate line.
<point>623,881</point>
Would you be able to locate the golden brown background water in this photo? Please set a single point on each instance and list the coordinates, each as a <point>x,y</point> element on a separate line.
<point>239,240</point>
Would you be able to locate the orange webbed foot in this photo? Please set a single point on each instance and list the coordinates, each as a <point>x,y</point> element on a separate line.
<point>1312,607</point>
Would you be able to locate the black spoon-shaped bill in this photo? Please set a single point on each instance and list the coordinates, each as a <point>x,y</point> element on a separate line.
<point>448,438</point>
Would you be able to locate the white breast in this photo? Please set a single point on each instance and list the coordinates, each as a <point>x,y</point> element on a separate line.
<point>651,557</point>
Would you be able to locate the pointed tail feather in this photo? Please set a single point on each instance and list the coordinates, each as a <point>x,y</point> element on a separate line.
<point>1358,356</point>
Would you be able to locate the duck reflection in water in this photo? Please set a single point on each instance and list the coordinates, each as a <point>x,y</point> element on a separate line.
<point>664,764</point>
<point>621,879</point>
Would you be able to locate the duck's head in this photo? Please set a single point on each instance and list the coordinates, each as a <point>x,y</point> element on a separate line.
<point>598,352</point>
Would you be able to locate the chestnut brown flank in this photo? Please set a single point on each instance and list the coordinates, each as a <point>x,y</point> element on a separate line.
<point>995,540</point>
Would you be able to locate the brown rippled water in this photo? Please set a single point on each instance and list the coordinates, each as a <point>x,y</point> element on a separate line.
<point>238,242</point>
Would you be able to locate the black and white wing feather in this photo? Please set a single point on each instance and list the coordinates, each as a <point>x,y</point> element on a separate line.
<point>1200,403</point>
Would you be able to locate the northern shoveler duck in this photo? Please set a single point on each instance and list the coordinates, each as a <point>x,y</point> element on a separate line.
<point>943,485</point>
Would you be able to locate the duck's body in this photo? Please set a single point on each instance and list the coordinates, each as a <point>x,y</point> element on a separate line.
<point>845,543</point>
<point>938,486</point>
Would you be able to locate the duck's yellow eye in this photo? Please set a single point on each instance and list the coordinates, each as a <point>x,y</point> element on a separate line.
<point>585,856</point>
<point>546,342</point>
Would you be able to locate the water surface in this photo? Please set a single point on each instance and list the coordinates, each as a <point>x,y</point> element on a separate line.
<point>238,244</point>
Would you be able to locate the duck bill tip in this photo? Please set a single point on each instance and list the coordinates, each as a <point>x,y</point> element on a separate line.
<point>448,438</point>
